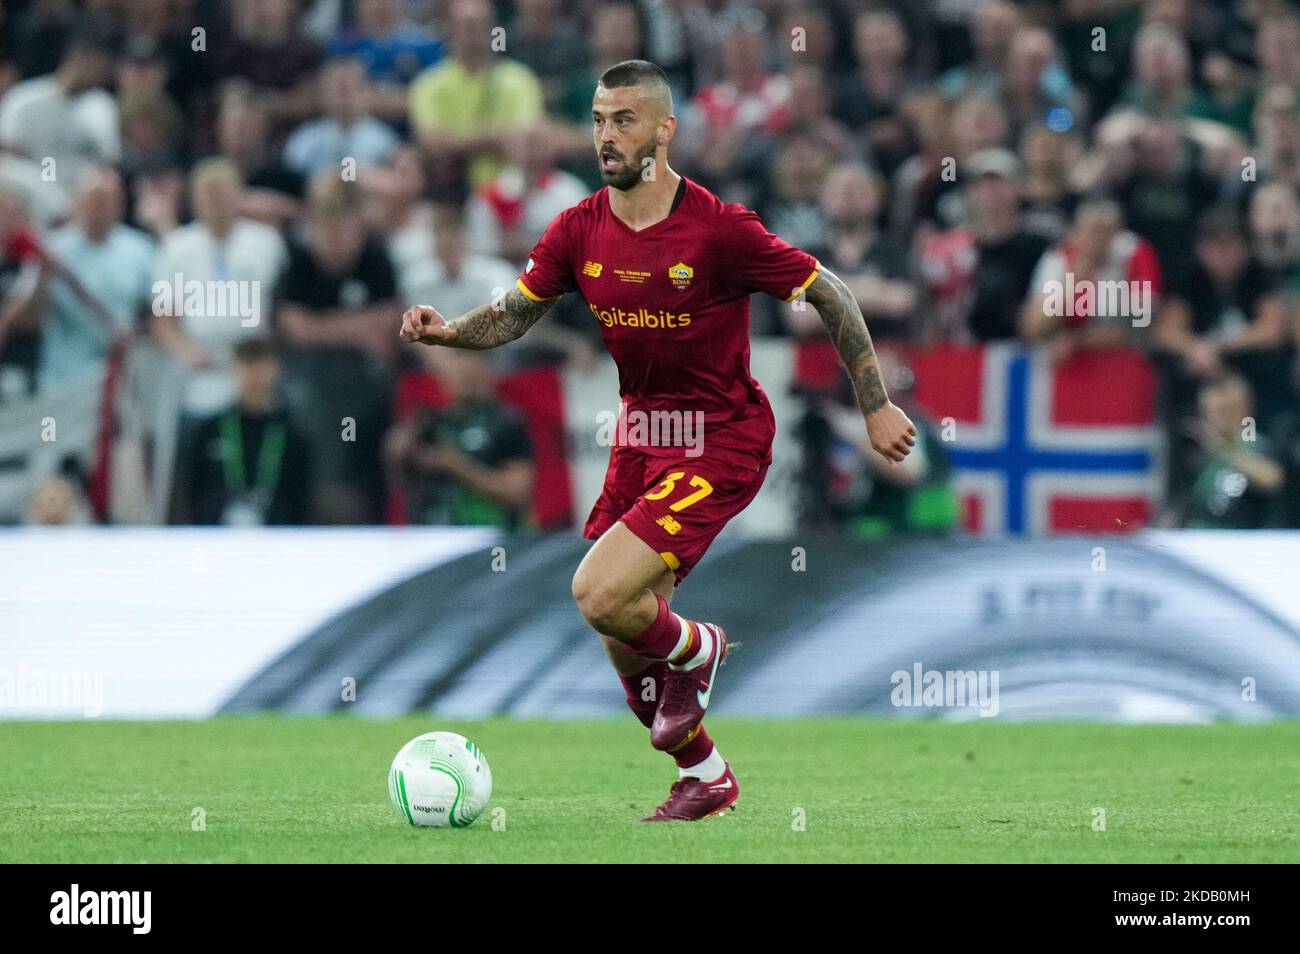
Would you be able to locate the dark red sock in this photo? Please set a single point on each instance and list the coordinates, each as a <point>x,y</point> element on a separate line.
<point>635,686</point>
<point>695,750</point>
<point>659,638</point>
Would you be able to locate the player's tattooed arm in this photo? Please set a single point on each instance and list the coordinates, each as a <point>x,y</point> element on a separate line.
<point>490,325</point>
<point>848,330</point>
<point>892,434</point>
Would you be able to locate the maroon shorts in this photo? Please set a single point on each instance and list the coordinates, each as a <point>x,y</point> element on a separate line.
<point>677,505</point>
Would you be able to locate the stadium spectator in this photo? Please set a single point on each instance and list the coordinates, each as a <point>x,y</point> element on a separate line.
<point>1277,129</point>
<point>1094,287</point>
<point>871,99</point>
<point>346,131</point>
<point>392,50</point>
<point>921,178</point>
<point>261,42</point>
<point>1048,197</point>
<point>807,35</point>
<point>465,109</point>
<point>40,34</point>
<point>810,118</point>
<point>336,304</point>
<point>111,263</point>
<point>160,53</point>
<point>1275,236</point>
<point>220,250</point>
<point>396,207</point>
<point>545,40</point>
<point>747,101</point>
<point>142,68</point>
<point>272,192</point>
<point>1228,93</point>
<point>462,457</point>
<point>1036,88</point>
<point>992,28</point>
<point>59,499</point>
<point>246,465</point>
<point>1228,312</point>
<point>1161,86</point>
<point>792,209</point>
<point>979,275</point>
<point>1160,178</point>
<point>507,213</point>
<point>875,267</point>
<point>1228,316</point>
<point>977,122</point>
<point>1237,478</point>
<point>705,27</point>
<point>66,117</point>
<point>1277,47</point>
<point>151,133</point>
<point>616,33</point>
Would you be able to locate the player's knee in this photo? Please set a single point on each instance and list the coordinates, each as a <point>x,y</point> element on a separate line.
<point>599,603</point>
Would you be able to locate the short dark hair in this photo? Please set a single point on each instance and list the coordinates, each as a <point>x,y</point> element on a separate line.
<point>90,40</point>
<point>632,73</point>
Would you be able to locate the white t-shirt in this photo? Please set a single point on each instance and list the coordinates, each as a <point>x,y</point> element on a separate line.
<point>480,279</point>
<point>541,206</point>
<point>236,283</point>
<point>40,120</point>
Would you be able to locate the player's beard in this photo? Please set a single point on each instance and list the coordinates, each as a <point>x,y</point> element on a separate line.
<point>628,175</point>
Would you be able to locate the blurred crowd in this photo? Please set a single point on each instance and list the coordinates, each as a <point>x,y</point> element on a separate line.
<point>952,160</point>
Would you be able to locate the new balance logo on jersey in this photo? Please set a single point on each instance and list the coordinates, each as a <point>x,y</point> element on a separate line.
<point>592,269</point>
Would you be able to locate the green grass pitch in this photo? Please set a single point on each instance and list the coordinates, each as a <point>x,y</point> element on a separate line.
<point>281,789</point>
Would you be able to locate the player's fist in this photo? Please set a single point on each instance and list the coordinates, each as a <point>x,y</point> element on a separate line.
<point>892,434</point>
<point>423,324</point>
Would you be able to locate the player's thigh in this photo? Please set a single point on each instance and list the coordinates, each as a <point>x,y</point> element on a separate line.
<point>618,568</point>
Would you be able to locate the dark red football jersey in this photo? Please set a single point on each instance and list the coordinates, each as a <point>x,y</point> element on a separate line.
<point>672,302</point>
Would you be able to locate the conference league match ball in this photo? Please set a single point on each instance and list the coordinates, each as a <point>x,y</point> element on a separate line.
<point>440,780</point>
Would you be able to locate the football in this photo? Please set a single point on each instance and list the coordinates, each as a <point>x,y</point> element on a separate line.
<point>440,780</point>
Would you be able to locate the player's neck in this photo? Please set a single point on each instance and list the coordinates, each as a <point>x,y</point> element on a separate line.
<point>648,203</point>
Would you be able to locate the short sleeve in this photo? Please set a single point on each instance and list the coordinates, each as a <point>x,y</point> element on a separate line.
<point>548,273</point>
<point>755,260</point>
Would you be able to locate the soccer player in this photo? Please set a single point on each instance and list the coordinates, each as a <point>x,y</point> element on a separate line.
<point>667,269</point>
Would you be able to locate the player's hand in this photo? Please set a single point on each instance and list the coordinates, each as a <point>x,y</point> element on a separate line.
<point>423,324</point>
<point>892,433</point>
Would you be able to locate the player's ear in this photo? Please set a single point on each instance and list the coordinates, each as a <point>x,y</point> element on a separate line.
<point>665,130</point>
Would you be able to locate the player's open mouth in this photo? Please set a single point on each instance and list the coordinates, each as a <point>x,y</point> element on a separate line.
<point>609,161</point>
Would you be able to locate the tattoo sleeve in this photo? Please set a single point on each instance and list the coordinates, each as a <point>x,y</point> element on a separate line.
<point>498,322</point>
<point>848,330</point>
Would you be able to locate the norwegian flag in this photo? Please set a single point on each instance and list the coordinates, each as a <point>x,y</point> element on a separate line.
<point>1041,449</point>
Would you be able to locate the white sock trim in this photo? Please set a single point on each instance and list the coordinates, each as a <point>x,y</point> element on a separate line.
<point>710,770</point>
<point>683,639</point>
<point>708,639</point>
